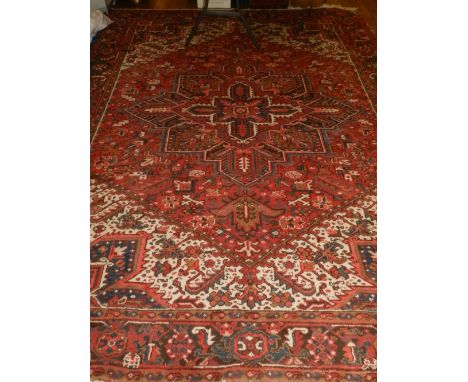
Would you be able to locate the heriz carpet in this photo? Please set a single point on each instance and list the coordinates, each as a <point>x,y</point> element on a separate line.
<point>233,199</point>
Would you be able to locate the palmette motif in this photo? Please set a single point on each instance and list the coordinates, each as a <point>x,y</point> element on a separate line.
<point>233,208</point>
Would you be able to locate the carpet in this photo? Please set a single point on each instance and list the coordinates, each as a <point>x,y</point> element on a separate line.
<point>233,198</point>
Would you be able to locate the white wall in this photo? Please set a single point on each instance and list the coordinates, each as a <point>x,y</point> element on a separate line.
<point>99,4</point>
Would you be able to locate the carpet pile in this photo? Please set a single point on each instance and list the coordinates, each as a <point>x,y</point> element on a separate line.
<point>233,200</point>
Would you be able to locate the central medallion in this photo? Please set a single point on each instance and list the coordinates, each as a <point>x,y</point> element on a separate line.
<point>244,127</point>
<point>243,113</point>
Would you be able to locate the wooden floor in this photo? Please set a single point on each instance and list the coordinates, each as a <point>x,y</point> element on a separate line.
<point>366,8</point>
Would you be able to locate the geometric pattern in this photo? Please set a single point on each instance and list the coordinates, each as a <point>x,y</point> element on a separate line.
<point>164,266</point>
<point>243,133</point>
<point>233,203</point>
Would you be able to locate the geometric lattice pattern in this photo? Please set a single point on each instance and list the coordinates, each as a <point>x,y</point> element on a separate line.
<point>233,207</point>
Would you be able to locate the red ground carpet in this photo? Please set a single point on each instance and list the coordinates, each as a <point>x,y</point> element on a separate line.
<point>233,199</point>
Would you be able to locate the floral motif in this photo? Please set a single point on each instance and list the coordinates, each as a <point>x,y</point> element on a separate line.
<point>179,346</point>
<point>203,222</point>
<point>291,222</point>
<point>322,348</point>
<point>322,202</point>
